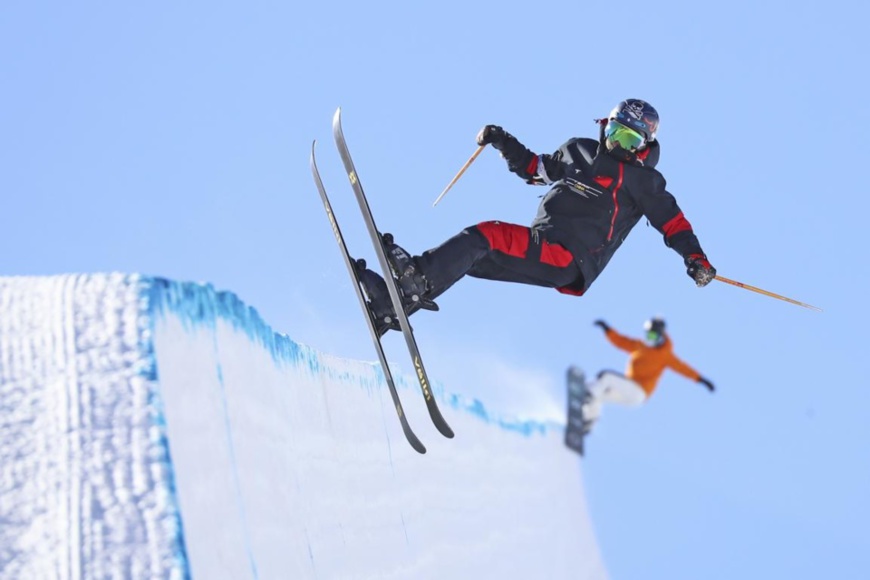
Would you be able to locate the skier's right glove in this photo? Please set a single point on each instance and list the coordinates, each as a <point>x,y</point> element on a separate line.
<point>491,135</point>
<point>601,324</point>
<point>699,269</point>
<point>707,384</point>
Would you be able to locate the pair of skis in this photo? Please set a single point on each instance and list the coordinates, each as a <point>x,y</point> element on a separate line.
<point>393,288</point>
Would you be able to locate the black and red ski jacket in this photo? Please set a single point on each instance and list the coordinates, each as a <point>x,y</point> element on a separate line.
<point>597,197</point>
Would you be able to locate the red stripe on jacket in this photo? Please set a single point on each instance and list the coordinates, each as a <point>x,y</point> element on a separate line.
<point>532,169</point>
<point>604,181</point>
<point>615,201</point>
<point>676,225</point>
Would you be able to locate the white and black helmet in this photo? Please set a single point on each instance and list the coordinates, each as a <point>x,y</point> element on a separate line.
<point>655,331</point>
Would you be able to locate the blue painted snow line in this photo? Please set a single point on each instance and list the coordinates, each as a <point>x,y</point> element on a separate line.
<point>201,306</point>
<point>175,531</point>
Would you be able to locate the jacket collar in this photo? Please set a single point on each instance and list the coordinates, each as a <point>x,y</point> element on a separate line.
<point>649,157</point>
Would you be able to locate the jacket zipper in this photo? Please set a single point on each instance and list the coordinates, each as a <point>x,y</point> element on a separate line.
<point>615,203</point>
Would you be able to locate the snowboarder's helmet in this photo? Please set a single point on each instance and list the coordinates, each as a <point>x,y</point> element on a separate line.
<point>639,117</point>
<point>655,331</point>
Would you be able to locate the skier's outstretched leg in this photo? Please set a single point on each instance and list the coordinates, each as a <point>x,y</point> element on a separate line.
<point>491,250</point>
<point>498,251</point>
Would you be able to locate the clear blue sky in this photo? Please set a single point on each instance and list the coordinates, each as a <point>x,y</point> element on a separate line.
<point>173,140</point>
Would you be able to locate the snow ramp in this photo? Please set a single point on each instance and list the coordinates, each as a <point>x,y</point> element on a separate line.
<point>159,429</point>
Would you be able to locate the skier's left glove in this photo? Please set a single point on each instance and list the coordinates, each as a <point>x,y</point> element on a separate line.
<point>491,135</point>
<point>699,269</point>
<point>707,384</point>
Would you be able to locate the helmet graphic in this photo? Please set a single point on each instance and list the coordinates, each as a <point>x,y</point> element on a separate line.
<point>637,115</point>
<point>655,331</point>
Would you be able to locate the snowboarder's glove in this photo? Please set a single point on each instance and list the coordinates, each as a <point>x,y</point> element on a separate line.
<point>491,135</point>
<point>707,384</point>
<point>601,324</point>
<point>699,269</point>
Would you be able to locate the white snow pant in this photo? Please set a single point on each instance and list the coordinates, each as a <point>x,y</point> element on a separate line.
<point>611,387</point>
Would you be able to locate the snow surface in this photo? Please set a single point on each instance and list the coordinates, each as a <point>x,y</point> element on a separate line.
<point>155,429</point>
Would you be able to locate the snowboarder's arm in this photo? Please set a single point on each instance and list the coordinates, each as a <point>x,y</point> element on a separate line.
<point>622,342</point>
<point>684,369</point>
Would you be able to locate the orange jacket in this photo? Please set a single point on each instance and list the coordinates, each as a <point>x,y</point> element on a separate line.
<point>647,363</point>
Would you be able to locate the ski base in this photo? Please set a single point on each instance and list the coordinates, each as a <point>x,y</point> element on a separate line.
<point>393,288</point>
<point>376,328</point>
<point>413,440</point>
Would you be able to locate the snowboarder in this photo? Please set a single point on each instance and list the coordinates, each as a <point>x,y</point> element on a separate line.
<point>599,190</point>
<point>648,360</point>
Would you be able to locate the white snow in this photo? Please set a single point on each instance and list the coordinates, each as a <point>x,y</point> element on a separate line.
<point>155,429</point>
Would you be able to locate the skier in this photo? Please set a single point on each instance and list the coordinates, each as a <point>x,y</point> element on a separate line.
<point>648,360</point>
<point>599,190</point>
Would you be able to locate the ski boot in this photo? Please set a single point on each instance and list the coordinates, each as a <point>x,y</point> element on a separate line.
<point>412,283</point>
<point>380,304</point>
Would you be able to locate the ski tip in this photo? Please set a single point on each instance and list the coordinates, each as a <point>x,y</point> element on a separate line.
<point>337,131</point>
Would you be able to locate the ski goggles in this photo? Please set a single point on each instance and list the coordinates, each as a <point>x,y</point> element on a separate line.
<point>654,338</point>
<point>628,139</point>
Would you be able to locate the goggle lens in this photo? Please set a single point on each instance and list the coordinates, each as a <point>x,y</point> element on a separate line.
<point>628,139</point>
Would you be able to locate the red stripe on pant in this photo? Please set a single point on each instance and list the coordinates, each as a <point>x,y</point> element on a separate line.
<point>513,240</point>
<point>509,239</point>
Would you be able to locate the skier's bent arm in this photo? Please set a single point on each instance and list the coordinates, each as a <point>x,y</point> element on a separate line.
<point>662,211</point>
<point>532,168</point>
<point>664,214</point>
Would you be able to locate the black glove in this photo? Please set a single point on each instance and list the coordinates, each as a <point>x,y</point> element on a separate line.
<point>707,384</point>
<point>603,325</point>
<point>491,134</point>
<point>699,269</point>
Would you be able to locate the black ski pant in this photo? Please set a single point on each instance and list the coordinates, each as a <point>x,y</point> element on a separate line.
<point>500,251</point>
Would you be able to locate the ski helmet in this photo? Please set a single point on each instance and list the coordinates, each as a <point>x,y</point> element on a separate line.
<point>639,116</point>
<point>655,331</point>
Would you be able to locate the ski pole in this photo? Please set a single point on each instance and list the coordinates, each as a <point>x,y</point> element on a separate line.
<point>458,175</point>
<point>766,293</point>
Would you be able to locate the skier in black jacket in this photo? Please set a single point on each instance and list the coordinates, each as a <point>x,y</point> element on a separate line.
<point>599,190</point>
